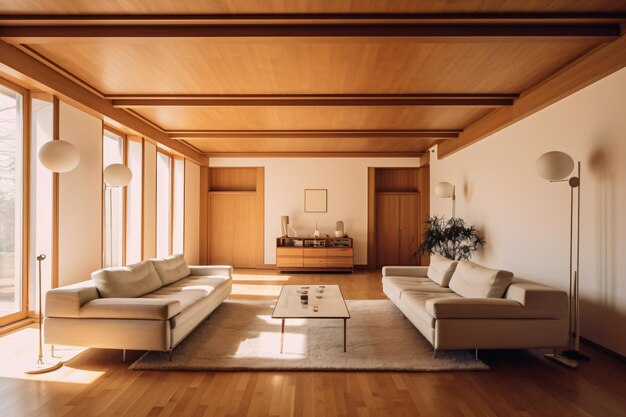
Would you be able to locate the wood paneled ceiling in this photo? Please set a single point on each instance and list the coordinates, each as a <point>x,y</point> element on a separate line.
<point>316,77</point>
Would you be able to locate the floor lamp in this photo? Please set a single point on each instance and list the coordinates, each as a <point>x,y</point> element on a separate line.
<point>115,175</point>
<point>446,190</point>
<point>557,166</point>
<point>56,156</point>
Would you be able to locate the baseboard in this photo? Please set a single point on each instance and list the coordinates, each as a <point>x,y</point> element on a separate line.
<point>16,326</point>
<point>604,349</point>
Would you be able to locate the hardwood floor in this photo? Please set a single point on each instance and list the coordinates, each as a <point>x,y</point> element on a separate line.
<point>97,383</point>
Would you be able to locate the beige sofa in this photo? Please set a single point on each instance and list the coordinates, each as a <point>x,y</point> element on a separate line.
<point>151,305</point>
<point>466,306</point>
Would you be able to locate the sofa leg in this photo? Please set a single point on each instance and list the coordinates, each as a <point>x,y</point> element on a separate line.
<point>171,352</point>
<point>476,354</point>
<point>435,353</point>
<point>123,355</point>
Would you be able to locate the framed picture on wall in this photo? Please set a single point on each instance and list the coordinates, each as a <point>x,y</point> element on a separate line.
<point>315,201</point>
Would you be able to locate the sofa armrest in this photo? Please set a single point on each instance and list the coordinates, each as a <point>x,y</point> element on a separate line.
<point>131,308</point>
<point>542,299</point>
<point>405,271</point>
<point>211,270</point>
<point>476,308</point>
<point>66,301</point>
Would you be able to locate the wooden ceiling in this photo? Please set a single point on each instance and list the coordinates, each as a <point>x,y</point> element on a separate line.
<point>311,77</point>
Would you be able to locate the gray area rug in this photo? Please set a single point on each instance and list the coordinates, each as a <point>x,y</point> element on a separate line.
<point>241,335</point>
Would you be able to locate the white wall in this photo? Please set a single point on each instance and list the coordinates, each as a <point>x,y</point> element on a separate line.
<point>80,198</point>
<point>192,213</point>
<point>345,179</point>
<point>526,219</point>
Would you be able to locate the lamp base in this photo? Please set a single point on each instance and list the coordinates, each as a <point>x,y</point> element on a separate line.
<point>563,360</point>
<point>576,355</point>
<point>46,366</point>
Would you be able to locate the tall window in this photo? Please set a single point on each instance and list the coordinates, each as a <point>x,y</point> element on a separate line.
<point>134,192</point>
<point>163,205</point>
<point>11,196</point>
<point>113,153</point>
<point>40,199</point>
<point>178,211</point>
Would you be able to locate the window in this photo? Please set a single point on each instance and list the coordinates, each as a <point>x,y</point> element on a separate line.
<point>163,205</point>
<point>12,302</point>
<point>40,200</point>
<point>113,153</point>
<point>134,192</point>
<point>178,211</point>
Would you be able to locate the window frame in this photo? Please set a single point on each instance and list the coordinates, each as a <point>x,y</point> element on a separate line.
<point>109,128</point>
<point>25,243</point>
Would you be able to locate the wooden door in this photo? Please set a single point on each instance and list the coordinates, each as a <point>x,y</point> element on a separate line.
<point>409,229</point>
<point>221,227</point>
<point>245,221</point>
<point>387,229</point>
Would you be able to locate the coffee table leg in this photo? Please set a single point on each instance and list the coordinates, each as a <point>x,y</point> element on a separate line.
<point>344,334</point>
<point>282,336</point>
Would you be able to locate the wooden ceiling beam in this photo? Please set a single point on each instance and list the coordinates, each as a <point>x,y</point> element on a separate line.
<point>308,18</point>
<point>423,32</point>
<point>597,64</point>
<point>16,61</point>
<point>314,154</point>
<point>314,134</point>
<point>326,100</point>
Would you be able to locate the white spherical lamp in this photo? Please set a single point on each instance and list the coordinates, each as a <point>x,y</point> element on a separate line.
<point>444,190</point>
<point>59,156</point>
<point>555,165</point>
<point>117,175</point>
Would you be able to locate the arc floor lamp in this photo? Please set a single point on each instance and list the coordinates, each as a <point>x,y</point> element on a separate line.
<point>56,156</point>
<point>556,166</point>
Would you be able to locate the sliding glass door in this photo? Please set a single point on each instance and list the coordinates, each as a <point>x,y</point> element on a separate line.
<point>12,288</point>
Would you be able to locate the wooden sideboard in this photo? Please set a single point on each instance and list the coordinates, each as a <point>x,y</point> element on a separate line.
<point>314,254</point>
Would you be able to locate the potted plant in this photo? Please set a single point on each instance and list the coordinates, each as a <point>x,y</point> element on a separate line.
<point>450,238</point>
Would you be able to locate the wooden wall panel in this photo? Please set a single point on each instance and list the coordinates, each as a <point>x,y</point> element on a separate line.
<point>245,231</point>
<point>423,175</point>
<point>204,215</point>
<point>387,226</point>
<point>192,213</point>
<point>149,200</point>
<point>233,179</point>
<point>222,229</point>
<point>409,229</point>
<point>396,180</point>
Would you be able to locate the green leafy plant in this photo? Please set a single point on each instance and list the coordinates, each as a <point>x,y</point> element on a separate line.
<point>450,238</point>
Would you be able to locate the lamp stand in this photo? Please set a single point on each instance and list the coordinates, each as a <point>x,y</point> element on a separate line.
<point>42,366</point>
<point>572,355</point>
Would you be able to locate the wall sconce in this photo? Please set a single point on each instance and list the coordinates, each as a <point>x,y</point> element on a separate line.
<point>446,190</point>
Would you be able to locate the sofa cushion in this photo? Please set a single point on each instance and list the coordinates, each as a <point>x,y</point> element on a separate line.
<point>130,308</point>
<point>416,302</point>
<point>171,269</point>
<point>475,281</point>
<point>441,269</point>
<point>395,286</point>
<point>127,281</point>
<point>191,292</point>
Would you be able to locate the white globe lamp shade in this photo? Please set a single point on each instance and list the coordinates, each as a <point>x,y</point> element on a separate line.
<point>444,190</point>
<point>59,156</point>
<point>117,175</point>
<point>555,165</point>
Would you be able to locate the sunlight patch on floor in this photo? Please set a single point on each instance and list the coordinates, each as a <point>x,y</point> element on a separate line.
<point>20,350</point>
<point>237,276</point>
<point>258,290</point>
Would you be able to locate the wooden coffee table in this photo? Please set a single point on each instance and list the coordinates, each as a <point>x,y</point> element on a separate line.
<point>325,302</point>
